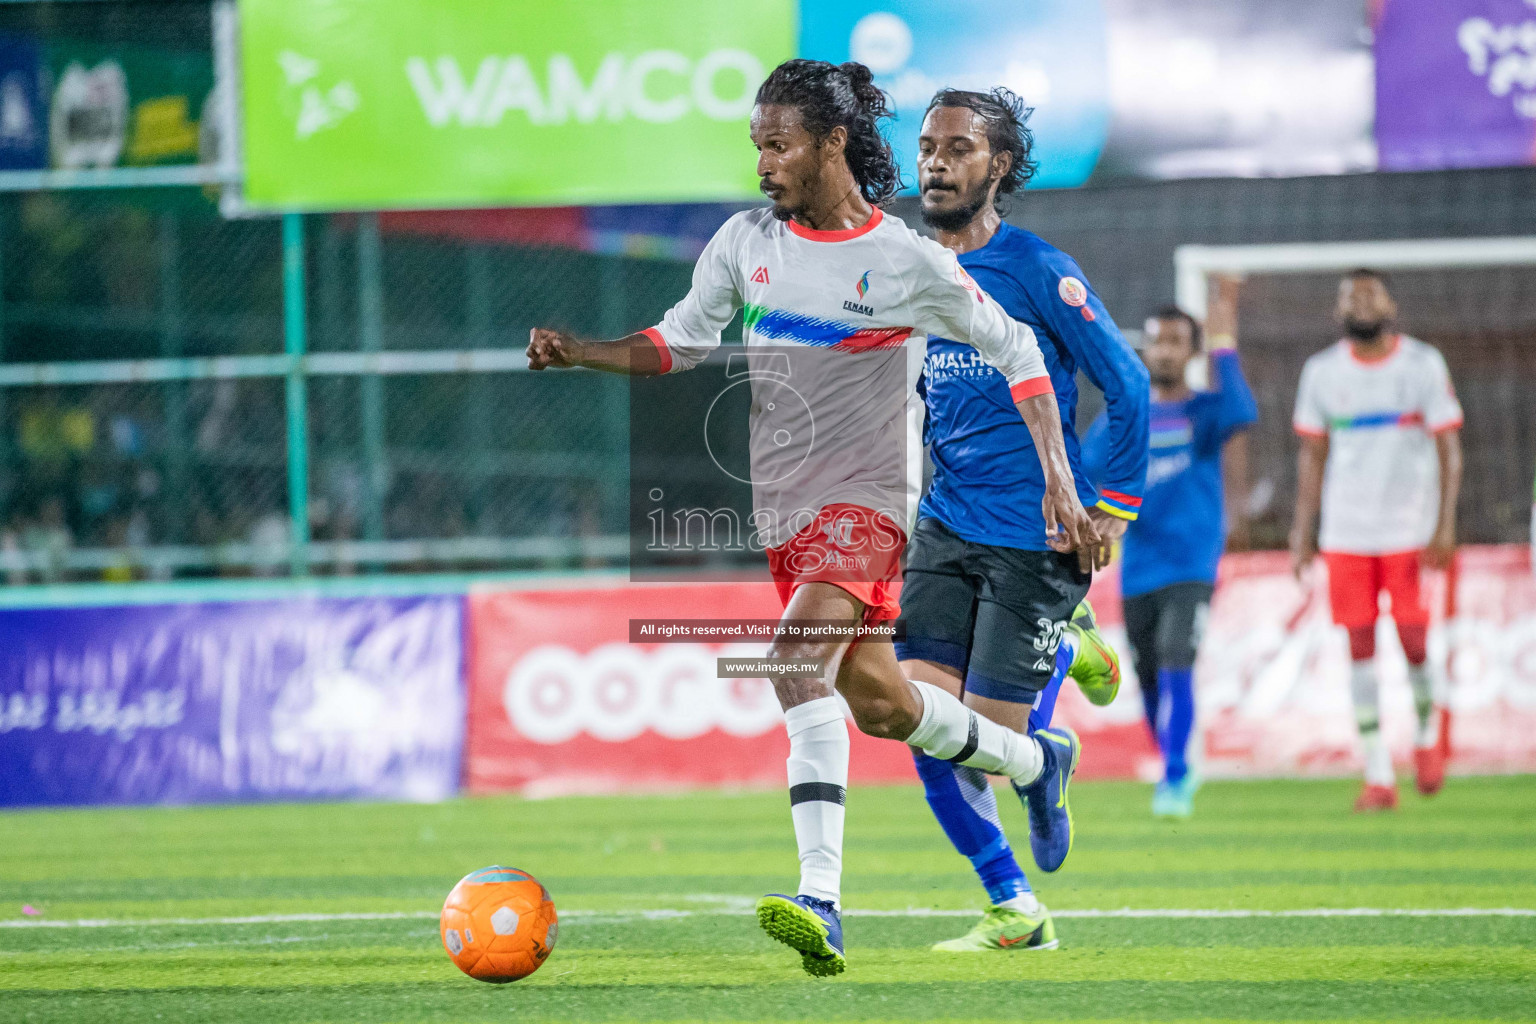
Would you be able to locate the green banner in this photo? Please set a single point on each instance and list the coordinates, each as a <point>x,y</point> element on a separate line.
<point>400,103</point>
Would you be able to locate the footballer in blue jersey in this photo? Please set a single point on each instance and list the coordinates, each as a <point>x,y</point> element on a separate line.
<point>1168,566</point>
<point>988,606</point>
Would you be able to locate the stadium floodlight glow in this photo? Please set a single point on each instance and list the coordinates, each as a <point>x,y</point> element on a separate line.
<point>1194,263</point>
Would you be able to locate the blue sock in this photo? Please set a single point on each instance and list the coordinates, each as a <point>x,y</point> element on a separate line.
<point>1175,720</point>
<point>962,800</point>
<point>1045,705</point>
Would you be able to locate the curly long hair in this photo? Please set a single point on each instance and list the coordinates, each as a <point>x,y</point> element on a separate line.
<point>828,95</point>
<point>1007,119</point>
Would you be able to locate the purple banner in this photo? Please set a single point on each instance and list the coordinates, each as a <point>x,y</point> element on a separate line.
<point>252,700</point>
<point>1455,83</point>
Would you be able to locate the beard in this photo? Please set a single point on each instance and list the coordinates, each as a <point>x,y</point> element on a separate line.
<point>1364,330</point>
<point>781,209</point>
<point>1165,378</point>
<point>954,219</point>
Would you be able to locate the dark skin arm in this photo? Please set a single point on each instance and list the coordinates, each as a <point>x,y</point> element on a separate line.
<point>1068,527</point>
<point>1442,546</point>
<point>634,355</point>
<point>1309,497</point>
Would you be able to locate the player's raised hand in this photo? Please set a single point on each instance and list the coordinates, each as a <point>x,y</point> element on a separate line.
<point>550,348</point>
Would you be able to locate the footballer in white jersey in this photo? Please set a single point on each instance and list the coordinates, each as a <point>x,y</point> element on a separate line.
<point>1381,461</point>
<point>825,272</point>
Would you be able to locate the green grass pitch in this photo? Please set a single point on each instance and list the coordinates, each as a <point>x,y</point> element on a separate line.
<point>655,892</point>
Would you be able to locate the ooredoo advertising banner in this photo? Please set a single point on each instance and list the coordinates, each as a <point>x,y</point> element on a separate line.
<point>1273,675</point>
<point>252,700</point>
<point>397,103</point>
<point>561,701</point>
<point>1456,83</point>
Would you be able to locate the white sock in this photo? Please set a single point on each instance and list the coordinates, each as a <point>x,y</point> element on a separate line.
<point>818,783</point>
<point>1024,902</point>
<point>1366,692</point>
<point>949,729</point>
<point>1423,682</point>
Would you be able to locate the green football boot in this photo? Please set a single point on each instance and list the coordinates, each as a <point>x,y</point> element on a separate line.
<point>1001,928</point>
<point>1096,666</point>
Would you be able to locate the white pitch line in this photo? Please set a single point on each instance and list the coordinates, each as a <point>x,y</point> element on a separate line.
<point>1173,913</point>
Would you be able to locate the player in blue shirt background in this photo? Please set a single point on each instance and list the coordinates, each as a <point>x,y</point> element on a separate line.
<point>1168,567</point>
<point>990,613</point>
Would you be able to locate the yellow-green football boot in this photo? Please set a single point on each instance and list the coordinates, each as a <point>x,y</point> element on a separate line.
<point>1095,666</point>
<point>1004,929</point>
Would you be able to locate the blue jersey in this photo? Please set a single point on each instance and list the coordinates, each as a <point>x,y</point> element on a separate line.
<point>987,483</point>
<point>1182,530</point>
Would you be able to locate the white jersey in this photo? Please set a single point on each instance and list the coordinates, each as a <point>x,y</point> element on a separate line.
<point>836,325</point>
<point>1381,489</point>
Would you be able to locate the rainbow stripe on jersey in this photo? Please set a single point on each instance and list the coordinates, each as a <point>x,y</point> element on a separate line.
<point>1171,433</point>
<point>1376,419</point>
<point>782,325</point>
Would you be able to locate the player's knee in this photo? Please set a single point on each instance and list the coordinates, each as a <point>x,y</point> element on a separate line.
<point>881,718</point>
<point>1362,642</point>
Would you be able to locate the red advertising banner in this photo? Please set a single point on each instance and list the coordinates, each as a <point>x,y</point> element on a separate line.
<point>561,701</point>
<point>1273,675</point>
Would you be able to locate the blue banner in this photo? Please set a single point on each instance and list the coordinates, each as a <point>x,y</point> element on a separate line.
<point>254,700</point>
<point>1052,53</point>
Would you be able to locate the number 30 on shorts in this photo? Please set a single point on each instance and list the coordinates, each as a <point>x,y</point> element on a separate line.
<point>1050,635</point>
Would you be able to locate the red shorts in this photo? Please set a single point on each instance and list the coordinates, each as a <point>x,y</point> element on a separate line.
<point>848,546</point>
<point>1355,583</point>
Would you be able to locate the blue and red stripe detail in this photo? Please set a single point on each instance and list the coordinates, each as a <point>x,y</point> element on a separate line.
<point>782,325</point>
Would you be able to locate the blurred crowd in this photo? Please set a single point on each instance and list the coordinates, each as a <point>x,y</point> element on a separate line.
<point>101,482</point>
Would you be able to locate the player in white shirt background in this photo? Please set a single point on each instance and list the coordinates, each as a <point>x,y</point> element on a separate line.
<point>825,274</point>
<point>1380,464</point>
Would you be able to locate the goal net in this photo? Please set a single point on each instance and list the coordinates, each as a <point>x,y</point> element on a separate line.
<point>1474,299</point>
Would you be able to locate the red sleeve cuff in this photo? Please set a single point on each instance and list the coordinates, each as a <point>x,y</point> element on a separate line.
<point>1308,431</point>
<point>661,348</point>
<point>1030,388</point>
<point>1442,428</point>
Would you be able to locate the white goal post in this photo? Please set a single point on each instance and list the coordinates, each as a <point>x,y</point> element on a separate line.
<point>1194,263</point>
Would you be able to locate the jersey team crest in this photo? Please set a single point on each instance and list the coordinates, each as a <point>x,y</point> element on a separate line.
<point>1072,291</point>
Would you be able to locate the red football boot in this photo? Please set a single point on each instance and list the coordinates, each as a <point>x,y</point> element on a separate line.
<point>1429,762</point>
<point>1376,798</point>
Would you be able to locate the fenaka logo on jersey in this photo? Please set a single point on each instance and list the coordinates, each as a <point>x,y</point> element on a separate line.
<point>861,288</point>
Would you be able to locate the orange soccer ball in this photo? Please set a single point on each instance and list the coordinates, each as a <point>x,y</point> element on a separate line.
<point>498,924</point>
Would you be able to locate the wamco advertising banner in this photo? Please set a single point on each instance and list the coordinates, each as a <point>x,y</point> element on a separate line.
<point>396,103</point>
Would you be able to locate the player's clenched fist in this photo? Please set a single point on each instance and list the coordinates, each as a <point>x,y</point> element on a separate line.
<point>552,348</point>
